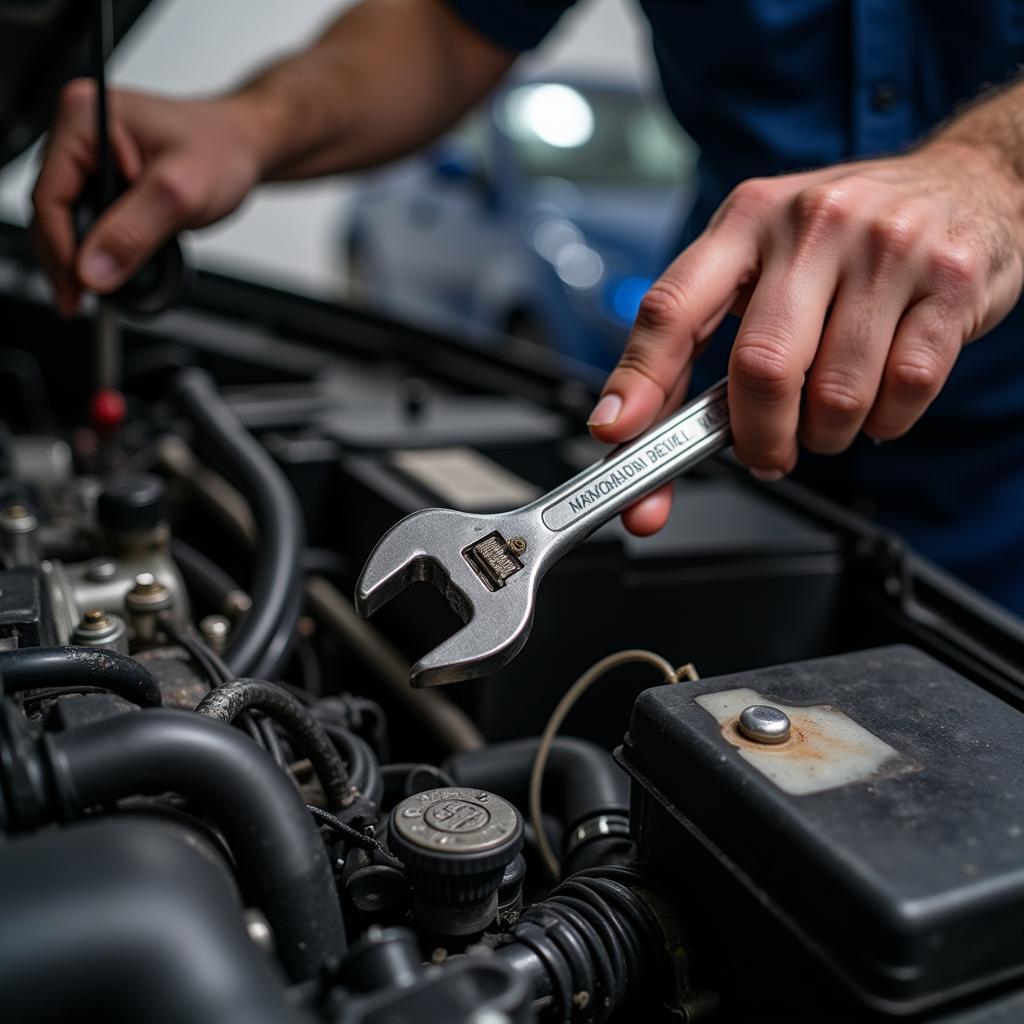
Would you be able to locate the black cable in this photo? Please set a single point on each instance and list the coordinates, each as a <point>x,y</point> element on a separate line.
<point>364,772</point>
<point>203,577</point>
<point>218,674</point>
<point>353,835</point>
<point>263,640</point>
<point>403,779</point>
<point>225,703</point>
<point>36,696</point>
<point>34,668</point>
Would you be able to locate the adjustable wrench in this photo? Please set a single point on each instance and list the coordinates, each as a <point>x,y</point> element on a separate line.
<point>489,566</point>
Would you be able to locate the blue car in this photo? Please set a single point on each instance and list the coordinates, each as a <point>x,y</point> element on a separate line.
<point>546,214</point>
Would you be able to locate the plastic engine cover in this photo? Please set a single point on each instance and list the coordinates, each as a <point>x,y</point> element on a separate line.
<point>886,834</point>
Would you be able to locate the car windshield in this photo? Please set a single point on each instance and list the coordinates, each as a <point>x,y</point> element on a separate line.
<point>594,136</point>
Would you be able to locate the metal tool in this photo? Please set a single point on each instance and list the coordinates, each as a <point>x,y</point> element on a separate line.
<point>489,566</point>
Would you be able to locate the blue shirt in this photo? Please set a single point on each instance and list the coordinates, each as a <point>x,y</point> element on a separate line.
<point>769,86</point>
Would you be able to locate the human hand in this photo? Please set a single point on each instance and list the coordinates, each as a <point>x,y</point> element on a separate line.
<point>857,286</point>
<point>187,164</point>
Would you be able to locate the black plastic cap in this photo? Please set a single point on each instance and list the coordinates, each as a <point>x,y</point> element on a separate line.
<point>455,843</point>
<point>132,503</point>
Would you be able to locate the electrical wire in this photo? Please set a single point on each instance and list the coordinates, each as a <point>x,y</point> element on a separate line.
<point>558,716</point>
<point>353,835</point>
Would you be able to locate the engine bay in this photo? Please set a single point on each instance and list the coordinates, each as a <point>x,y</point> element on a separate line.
<point>798,796</point>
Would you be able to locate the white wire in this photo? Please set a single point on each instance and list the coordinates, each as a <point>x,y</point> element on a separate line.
<point>565,705</point>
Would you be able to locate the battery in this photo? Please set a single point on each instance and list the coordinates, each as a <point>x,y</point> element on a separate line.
<point>885,835</point>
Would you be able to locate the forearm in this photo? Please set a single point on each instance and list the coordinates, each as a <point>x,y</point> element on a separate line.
<point>383,80</point>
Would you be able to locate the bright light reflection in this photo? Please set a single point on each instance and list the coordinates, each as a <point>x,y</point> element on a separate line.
<point>555,114</point>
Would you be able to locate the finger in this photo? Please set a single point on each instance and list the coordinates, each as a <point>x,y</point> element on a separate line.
<point>847,370</point>
<point>68,160</point>
<point>923,352</point>
<point>134,227</point>
<point>680,311</point>
<point>651,512</point>
<point>774,348</point>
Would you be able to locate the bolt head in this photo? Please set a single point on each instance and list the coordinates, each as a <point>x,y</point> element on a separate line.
<point>145,583</point>
<point>95,618</point>
<point>764,724</point>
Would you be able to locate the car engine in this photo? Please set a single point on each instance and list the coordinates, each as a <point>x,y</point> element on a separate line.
<point>798,797</point>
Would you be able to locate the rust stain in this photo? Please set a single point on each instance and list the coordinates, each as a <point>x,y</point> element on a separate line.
<point>808,741</point>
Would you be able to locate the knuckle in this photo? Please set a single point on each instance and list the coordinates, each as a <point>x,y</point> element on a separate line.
<point>955,268</point>
<point>892,237</point>
<point>175,192</point>
<point>663,307</point>
<point>915,378</point>
<point>838,398</point>
<point>752,197</point>
<point>822,207</point>
<point>760,368</point>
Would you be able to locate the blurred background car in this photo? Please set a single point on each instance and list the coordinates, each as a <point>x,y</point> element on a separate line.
<point>546,214</point>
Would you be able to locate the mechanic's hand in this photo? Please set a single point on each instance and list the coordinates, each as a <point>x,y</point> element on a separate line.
<point>857,286</point>
<point>188,164</point>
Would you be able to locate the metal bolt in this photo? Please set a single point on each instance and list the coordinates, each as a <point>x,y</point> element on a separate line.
<point>144,601</point>
<point>215,630</point>
<point>764,724</point>
<point>16,511</point>
<point>98,570</point>
<point>94,619</point>
<point>99,628</point>
<point>146,583</point>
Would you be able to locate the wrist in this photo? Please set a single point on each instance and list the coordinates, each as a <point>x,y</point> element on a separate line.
<point>259,120</point>
<point>988,164</point>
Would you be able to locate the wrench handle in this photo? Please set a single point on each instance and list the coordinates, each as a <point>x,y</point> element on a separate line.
<point>699,429</point>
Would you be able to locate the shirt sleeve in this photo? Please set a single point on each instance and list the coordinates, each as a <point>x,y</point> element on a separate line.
<point>514,24</point>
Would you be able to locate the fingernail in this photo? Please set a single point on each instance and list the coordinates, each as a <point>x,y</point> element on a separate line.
<point>99,269</point>
<point>767,475</point>
<point>606,412</point>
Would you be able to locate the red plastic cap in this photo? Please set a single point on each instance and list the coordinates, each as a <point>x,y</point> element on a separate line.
<point>107,410</point>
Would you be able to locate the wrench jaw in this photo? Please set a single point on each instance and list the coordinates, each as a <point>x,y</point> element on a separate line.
<point>400,559</point>
<point>491,638</point>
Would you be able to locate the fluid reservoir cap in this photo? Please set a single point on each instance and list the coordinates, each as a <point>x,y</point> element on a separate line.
<point>131,503</point>
<point>455,843</point>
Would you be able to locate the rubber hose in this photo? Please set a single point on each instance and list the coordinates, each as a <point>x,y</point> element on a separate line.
<point>593,945</point>
<point>203,577</point>
<point>581,783</point>
<point>126,922</point>
<point>364,772</point>
<point>36,668</point>
<point>282,863</point>
<point>262,641</point>
<point>226,703</point>
<point>446,723</point>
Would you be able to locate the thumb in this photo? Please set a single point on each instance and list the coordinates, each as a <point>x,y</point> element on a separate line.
<point>153,209</point>
<point>681,310</point>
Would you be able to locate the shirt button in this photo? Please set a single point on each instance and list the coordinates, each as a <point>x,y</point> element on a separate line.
<point>884,96</point>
